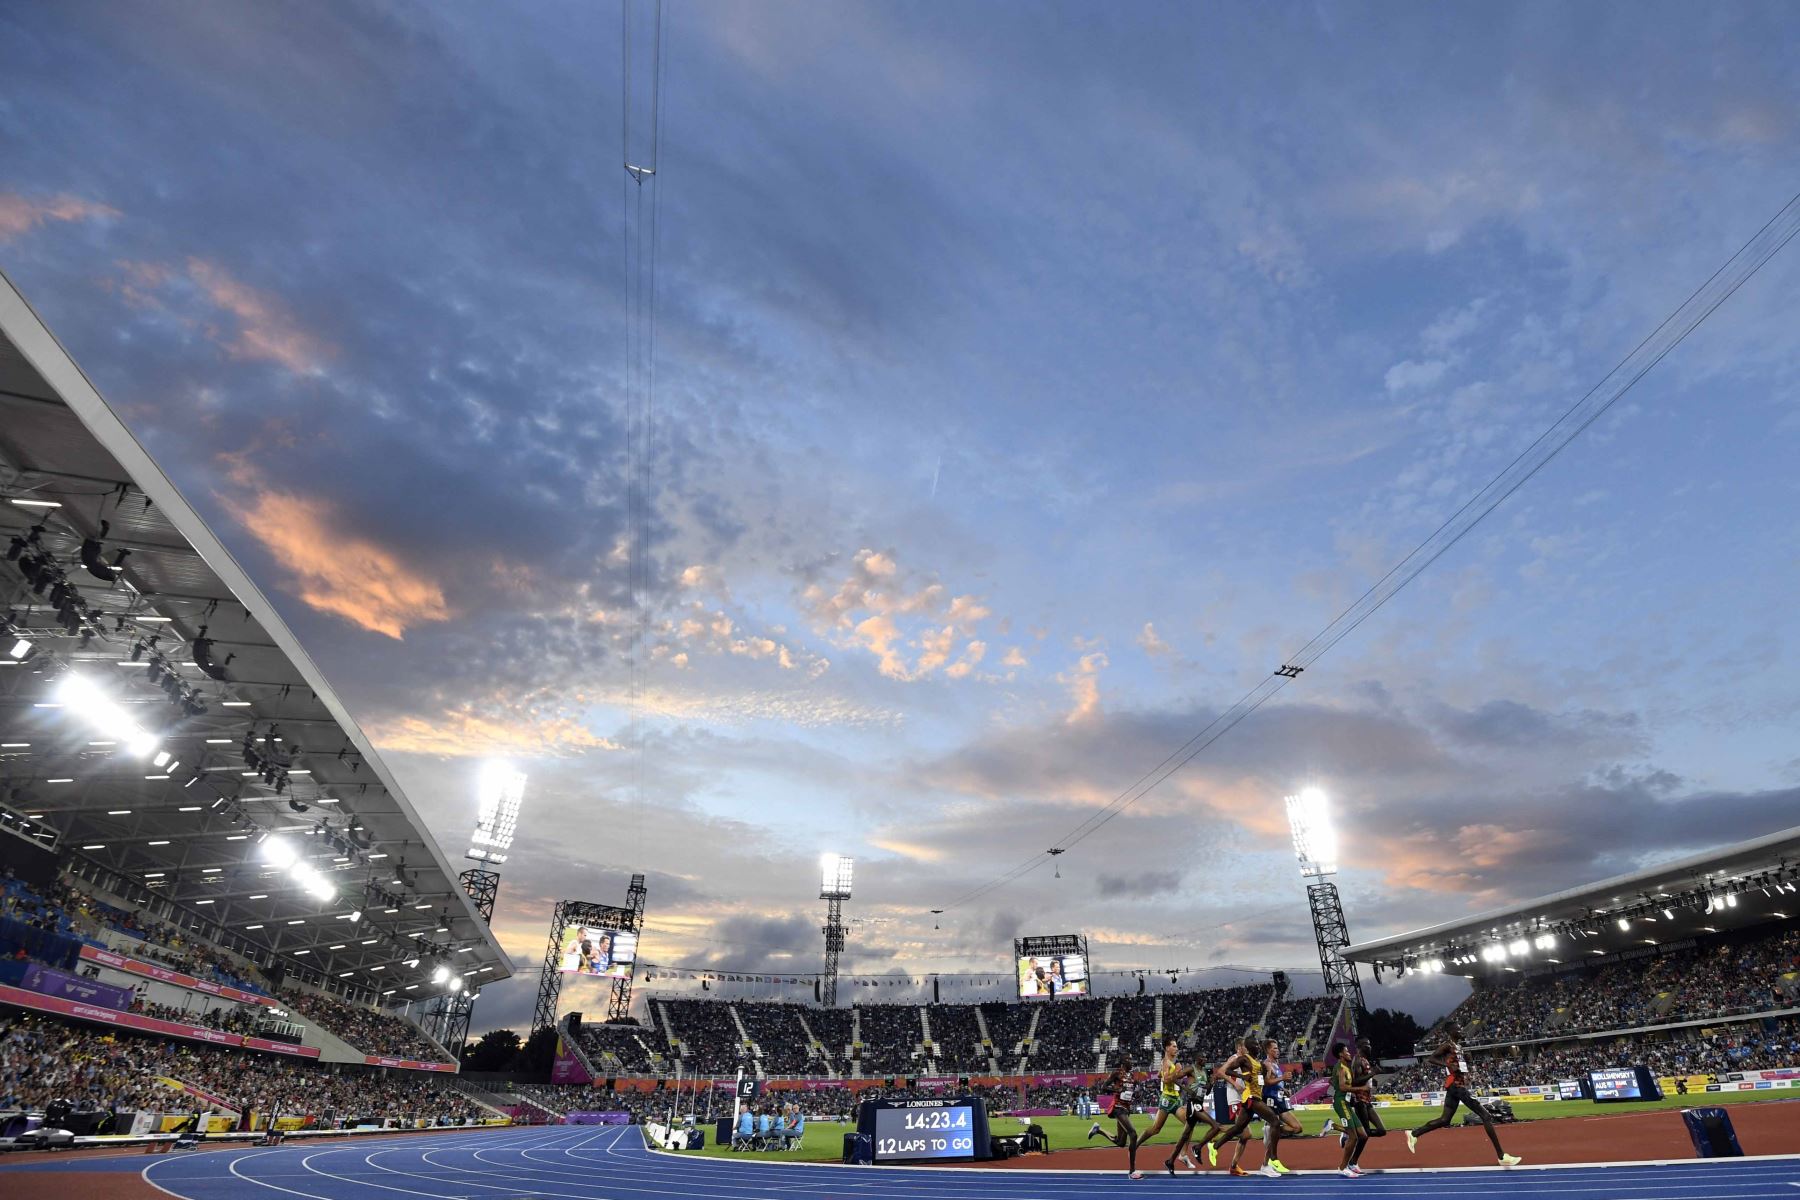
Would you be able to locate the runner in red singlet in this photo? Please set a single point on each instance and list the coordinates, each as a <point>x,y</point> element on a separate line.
<point>1456,1091</point>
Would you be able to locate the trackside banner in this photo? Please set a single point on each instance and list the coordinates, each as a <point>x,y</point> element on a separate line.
<point>406,1064</point>
<point>149,970</point>
<point>37,1002</point>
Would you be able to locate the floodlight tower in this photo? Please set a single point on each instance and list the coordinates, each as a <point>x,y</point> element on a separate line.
<point>1316,846</point>
<point>502,791</point>
<point>834,889</point>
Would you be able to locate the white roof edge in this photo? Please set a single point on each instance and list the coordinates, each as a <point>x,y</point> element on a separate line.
<point>49,358</point>
<point>1631,882</point>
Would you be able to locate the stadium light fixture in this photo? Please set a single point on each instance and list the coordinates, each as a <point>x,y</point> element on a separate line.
<point>1624,924</point>
<point>502,789</point>
<point>1520,948</point>
<point>1731,900</point>
<point>280,853</point>
<point>1315,839</point>
<point>835,872</point>
<point>1545,941</point>
<point>83,695</point>
<point>441,974</point>
<point>20,650</point>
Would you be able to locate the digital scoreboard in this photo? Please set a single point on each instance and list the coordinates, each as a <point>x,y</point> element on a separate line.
<point>1624,1083</point>
<point>927,1130</point>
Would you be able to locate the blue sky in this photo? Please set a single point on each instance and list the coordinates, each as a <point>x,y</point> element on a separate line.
<point>1030,379</point>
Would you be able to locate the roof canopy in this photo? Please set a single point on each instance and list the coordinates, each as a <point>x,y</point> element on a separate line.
<point>259,747</point>
<point>1746,884</point>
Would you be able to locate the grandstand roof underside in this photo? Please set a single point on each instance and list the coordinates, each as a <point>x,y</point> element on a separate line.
<point>1639,897</point>
<point>60,441</point>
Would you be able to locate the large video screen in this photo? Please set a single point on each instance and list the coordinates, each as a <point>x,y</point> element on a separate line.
<point>1048,976</point>
<point>598,953</point>
<point>1616,1083</point>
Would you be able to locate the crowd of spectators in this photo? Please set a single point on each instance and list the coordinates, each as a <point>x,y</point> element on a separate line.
<point>625,1048</point>
<point>1714,979</point>
<point>956,1041</point>
<point>879,1040</point>
<point>42,1059</point>
<point>779,1034</point>
<point>367,1029</point>
<point>1289,1019</point>
<point>1749,1046</point>
<point>891,1035</point>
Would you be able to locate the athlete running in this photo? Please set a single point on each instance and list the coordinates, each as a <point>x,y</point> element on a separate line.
<point>1124,1136</point>
<point>1199,1084</point>
<point>1362,1090</point>
<point>1275,1093</point>
<point>1170,1098</point>
<point>1251,1070</point>
<point>1354,1137</point>
<point>1456,1091</point>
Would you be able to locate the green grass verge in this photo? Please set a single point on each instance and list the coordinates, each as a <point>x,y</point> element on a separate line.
<point>824,1140</point>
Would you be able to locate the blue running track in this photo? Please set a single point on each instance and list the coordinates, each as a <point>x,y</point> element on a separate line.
<point>611,1163</point>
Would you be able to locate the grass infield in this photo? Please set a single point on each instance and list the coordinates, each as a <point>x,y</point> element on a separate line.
<point>824,1140</point>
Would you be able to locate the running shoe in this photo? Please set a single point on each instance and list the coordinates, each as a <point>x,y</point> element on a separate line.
<point>1412,1142</point>
<point>1510,1160</point>
<point>1268,1171</point>
<point>1093,1129</point>
<point>1187,1160</point>
<point>1280,1167</point>
<point>1343,1140</point>
<point>1135,1175</point>
<point>1169,1166</point>
<point>1212,1154</point>
<point>1237,1170</point>
<point>1355,1169</point>
<point>1348,1172</point>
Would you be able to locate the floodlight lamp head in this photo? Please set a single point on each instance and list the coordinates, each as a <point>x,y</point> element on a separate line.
<point>1315,838</point>
<point>502,791</point>
<point>835,876</point>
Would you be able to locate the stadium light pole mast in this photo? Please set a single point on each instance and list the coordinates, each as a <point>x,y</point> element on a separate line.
<point>1316,846</point>
<point>834,889</point>
<point>502,792</point>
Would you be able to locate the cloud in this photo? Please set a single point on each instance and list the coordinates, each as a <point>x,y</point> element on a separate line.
<point>1408,375</point>
<point>1143,883</point>
<point>904,613</point>
<point>19,215</point>
<point>249,324</point>
<point>1153,645</point>
<point>1083,683</point>
<point>467,733</point>
<point>336,572</point>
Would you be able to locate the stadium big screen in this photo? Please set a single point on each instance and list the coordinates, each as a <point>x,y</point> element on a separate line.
<point>1624,1083</point>
<point>927,1130</point>
<point>598,952</point>
<point>1052,967</point>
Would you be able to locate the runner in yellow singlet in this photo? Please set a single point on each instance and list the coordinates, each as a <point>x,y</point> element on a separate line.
<point>1171,1096</point>
<point>1250,1072</point>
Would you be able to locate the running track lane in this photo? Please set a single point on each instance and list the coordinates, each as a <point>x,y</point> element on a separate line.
<point>611,1163</point>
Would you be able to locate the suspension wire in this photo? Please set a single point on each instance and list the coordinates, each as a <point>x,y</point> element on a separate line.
<point>640,236</point>
<point>1674,329</point>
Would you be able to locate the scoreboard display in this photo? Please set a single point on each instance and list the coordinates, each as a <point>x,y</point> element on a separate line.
<point>1624,1083</point>
<point>953,1130</point>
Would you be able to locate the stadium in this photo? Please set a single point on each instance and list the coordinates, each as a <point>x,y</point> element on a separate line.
<point>260,935</point>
